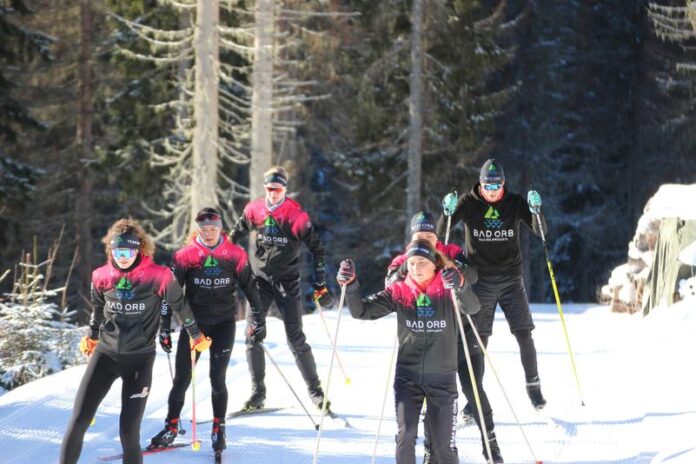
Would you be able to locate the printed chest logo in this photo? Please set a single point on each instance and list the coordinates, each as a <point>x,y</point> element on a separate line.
<point>492,218</point>
<point>271,234</point>
<point>211,267</point>
<point>124,289</point>
<point>424,307</point>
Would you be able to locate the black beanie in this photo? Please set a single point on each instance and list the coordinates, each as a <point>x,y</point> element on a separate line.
<point>422,222</point>
<point>492,172</point>
<point>421,248</point>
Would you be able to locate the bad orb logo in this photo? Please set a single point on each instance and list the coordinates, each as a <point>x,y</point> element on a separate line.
<point>492,219</point>
<point>271,233</point>
<point>124,289</point>
<point>424,307</point>
<point>210,267</point>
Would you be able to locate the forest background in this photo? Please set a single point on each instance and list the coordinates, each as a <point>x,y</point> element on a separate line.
<point>377,108</point>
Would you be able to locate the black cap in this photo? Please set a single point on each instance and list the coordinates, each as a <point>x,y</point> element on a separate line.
<point>492,172</point>
<point>421,248</point>
<point>422,222</point>
<point>209,216</point>
<point>126,240</point>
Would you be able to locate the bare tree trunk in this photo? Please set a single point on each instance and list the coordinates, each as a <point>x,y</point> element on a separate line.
<point>415,109</point>
<point>84,142</point>
<point>205,106</point>
<point>262,97</point>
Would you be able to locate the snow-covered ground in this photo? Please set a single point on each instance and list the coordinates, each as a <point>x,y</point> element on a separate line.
<point>637,378</point>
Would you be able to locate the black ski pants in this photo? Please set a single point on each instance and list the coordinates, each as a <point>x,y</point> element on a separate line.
<point>477,363</point>
<point>440,418</point>
<point>288,298</point>
<point>102,370</point>
<point>509,292</point>
<point>222,336</point>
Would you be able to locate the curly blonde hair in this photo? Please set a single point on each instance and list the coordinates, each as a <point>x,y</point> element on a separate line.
<point>129,226</point>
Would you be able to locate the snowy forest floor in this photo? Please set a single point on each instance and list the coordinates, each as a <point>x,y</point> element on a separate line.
<point>636,376</point>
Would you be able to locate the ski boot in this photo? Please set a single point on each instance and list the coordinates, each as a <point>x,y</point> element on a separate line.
<point>534,393</point>
<point>316,394</point>
<point>495,449</point>
<point>257,398</point>
<point>218,434</point>
<point>167,435</point>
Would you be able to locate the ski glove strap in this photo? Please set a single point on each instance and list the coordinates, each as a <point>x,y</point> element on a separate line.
<point>256,332</point>
<point>449,203</point>
<point>452,278</point>
<point>322,295</point>
<point>87,345</point>
<point>534,201</point>
<point>165,340</point>
<point>201,343</point>
<point>346,273</point>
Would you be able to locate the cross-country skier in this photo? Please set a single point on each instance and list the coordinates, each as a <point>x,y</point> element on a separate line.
<point>492,216</point>
<point>426,365</point>
<point>127,294</point>
<point>281,227</point>
<point>423,228</point>
<point>210,268</point>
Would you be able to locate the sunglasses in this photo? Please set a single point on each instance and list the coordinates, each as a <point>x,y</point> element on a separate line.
<point>208,217</point>
<point>127,253</point>
<point>274,189</point>
<point>492,186</point>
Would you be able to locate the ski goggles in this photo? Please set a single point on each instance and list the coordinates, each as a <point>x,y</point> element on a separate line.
<point>209,219</point>
<point>127,253</point>
<point>492,187</point>
<point>274,189</point>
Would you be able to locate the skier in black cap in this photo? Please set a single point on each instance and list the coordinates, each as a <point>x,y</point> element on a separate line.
<point>211,268</point>
<point>492,215</point>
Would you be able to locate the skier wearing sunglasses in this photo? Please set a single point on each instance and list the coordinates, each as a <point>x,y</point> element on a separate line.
<point>281,227</point>
<point>492,216</point>
<point>127,294</point>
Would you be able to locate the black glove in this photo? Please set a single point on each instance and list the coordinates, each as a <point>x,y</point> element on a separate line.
<point>346,273</point>
<point>323,295</point>
<point>452,278</point>
<point>256,331</point>
<point>165,340</point>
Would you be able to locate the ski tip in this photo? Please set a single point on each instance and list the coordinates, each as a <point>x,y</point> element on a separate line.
<point>540,462</point>
<point>316,426</point>
<point>196,445</point>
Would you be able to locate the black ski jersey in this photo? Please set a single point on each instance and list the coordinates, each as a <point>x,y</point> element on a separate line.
<point>427,325</point>
<point>211,276</point>
<point>127,304</point>
<point>492,230</point>
<point>279,237</point>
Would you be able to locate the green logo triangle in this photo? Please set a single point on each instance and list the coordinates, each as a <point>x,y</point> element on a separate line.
<point>492,213</point>
<point>210,262</point>
<point>270,222</point>
<point>423,300</point>
<point>492,167</point>
<point>124,284</point>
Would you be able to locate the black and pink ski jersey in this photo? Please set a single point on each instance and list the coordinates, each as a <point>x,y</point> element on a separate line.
<point>127,306</point>
<point>426,324</point>
<point>210,277</point>
<point>279,238</point>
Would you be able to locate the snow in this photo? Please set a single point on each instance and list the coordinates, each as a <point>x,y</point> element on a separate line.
<point>635,374</point>
<point>672,200</point>
<point>688,254</point>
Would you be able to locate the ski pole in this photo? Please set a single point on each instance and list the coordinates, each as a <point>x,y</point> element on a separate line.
<point>316,427</point>
<point>195,444</point>
<point>500,384</point>
<point>560,309</point>
<point>384,399</point>
<point>182,431</point>
<point>328,378</point>
<point>328,333</point>
<point>470,368</point>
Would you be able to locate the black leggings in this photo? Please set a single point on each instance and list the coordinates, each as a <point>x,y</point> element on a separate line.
<point>222,335</point>
<point>102,370</point>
